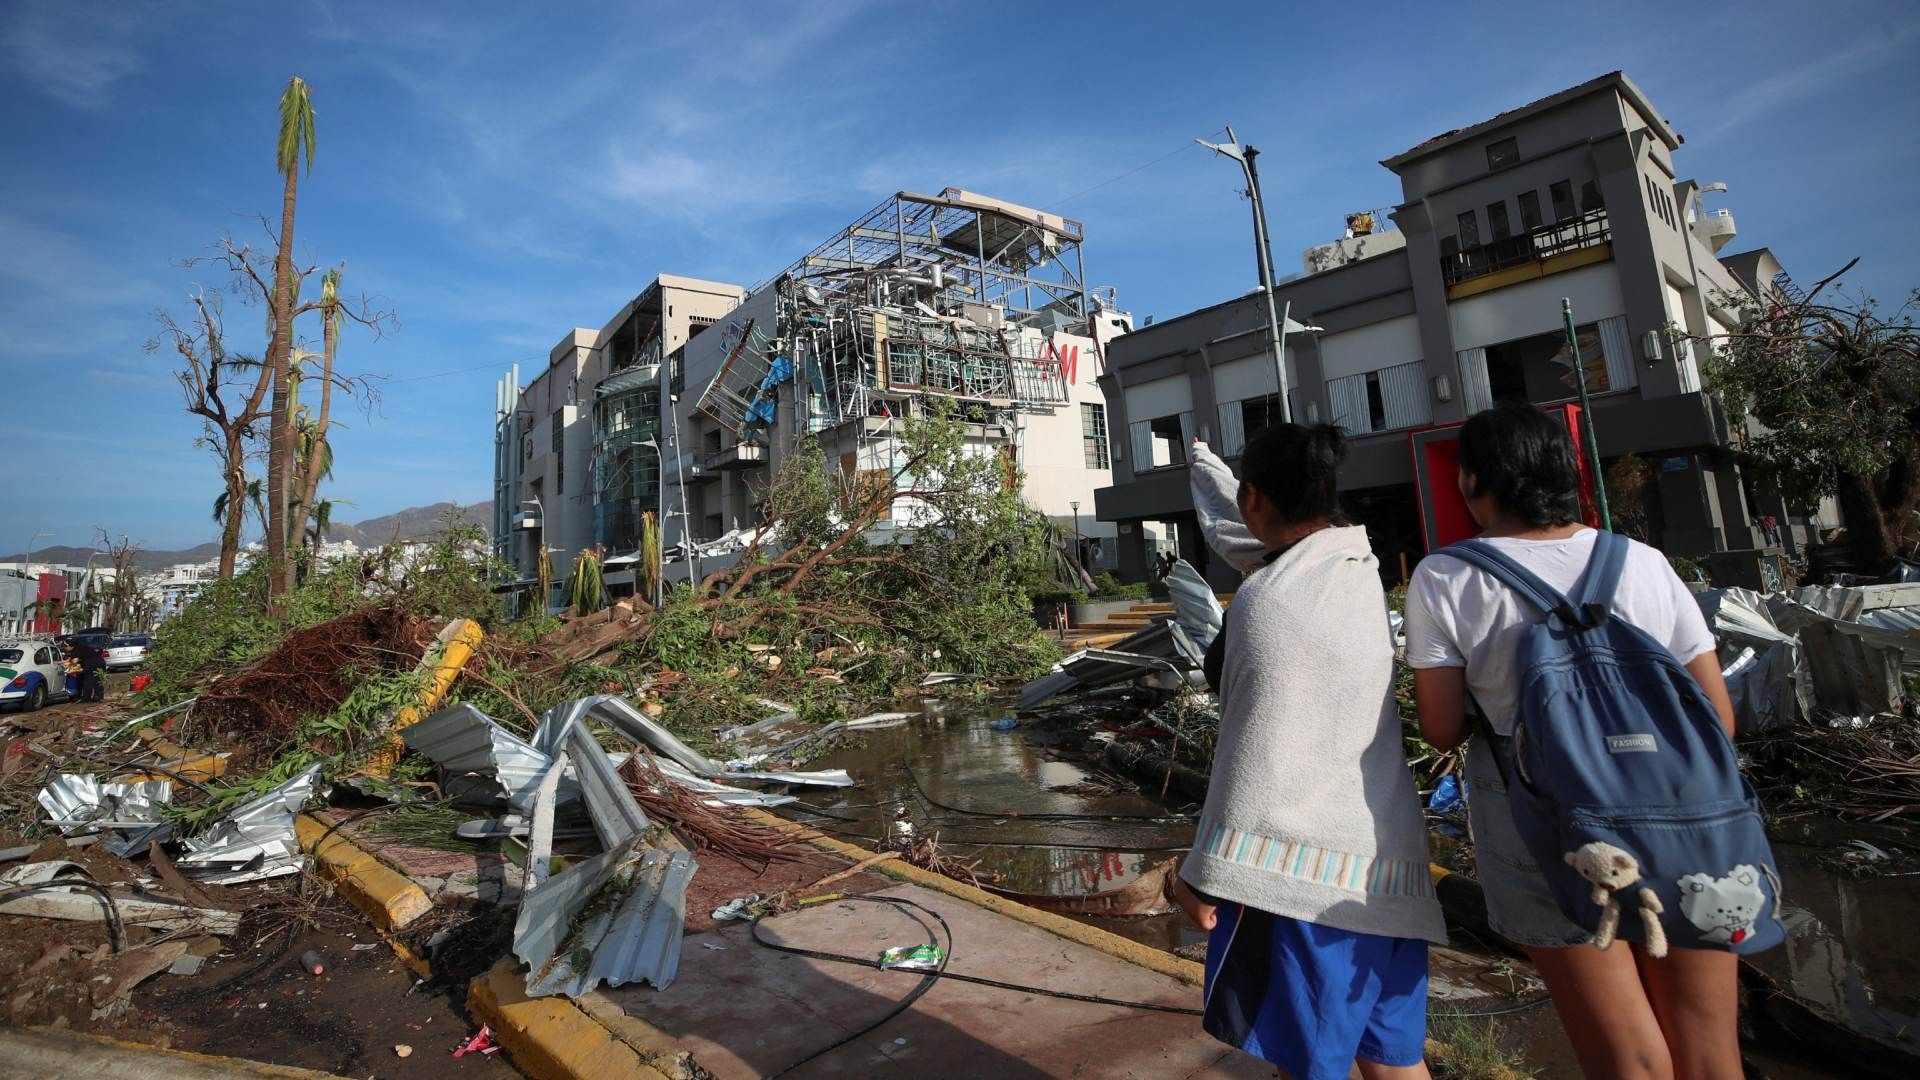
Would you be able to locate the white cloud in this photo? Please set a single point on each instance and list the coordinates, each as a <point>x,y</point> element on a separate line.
<point>74,53</point>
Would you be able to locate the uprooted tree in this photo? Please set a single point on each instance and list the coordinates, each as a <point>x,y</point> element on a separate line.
<point>1827,394</point>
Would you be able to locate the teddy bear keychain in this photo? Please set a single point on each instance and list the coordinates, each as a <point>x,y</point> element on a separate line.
<point>1612,870</point>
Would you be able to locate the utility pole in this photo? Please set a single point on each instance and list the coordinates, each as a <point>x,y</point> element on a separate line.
<point>1586,419</point>
<point>1263,254</point>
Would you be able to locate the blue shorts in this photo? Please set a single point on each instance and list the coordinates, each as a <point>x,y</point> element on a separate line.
<point>1311,998</point>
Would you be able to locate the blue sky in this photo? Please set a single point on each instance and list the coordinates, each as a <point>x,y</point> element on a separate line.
<point>502,173</point>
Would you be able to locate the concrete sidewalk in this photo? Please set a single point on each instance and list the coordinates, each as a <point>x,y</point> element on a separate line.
<point>744,1010</point>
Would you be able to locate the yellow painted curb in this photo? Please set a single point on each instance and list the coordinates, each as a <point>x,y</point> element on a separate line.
<point>1132,952</point>
<point>179,761</point>
<point>386,896</point>
<point>460,638</point>
<point>61,1040</point>
<point>550,1038</point>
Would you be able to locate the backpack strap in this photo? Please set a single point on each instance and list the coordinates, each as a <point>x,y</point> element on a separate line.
<point>1516,577</point>
<point>1602,576</point>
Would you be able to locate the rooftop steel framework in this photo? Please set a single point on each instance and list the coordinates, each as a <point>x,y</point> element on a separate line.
<point>985,251</point>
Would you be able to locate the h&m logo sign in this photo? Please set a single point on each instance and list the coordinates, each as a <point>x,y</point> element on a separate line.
<point>1068,360</point>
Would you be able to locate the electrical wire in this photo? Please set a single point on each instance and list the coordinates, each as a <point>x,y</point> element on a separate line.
<point>1185,145</point>
<point>942,973</point>
<point>1533,1003</point>
<point>905,1003</point>
<point>116,928</point>
<point>1094,999</point>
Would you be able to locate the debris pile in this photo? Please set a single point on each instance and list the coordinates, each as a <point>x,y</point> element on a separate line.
<point>311,672</point>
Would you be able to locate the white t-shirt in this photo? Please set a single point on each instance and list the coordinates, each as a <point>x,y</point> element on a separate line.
<point>1458,615</point>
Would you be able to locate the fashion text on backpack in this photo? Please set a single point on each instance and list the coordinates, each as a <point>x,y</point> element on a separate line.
<point>1622,781</point>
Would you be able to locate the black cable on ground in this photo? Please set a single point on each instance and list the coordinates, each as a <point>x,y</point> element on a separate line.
<point>116,928</point>
<point>926,982</point>
<point>943,973</point>
<point>1508,1011</point>
<point>931,801</point>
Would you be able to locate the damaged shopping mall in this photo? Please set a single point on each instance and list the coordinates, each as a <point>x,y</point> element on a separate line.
<point>687,402</point>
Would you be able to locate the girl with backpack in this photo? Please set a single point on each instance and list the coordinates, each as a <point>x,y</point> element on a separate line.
<point>1629,1012</point>
<point>1309,868</point>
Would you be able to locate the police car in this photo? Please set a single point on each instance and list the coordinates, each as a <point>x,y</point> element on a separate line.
<point>32,673</point>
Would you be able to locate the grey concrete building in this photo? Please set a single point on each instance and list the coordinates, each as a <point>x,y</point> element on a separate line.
<point>572,464</point>
<point>1572,196</point>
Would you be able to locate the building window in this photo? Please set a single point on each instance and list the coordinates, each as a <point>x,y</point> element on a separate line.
<point>1169,441</point>
<point>1469,231</point>
<point>1093,436</point>
<point>1497,220</point>
<point>1539,369</point>
<point>1258,414</point>
<point>1162,442</point>
<point>1530,210</point>
<point>1502,154</point>
<point>1562,194</point>
<point>1590,199</point>
<point>559,454</point>
<point>1376,405</point>
<point>1384,400</point>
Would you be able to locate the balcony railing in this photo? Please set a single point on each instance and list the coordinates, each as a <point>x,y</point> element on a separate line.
<point>1537,245</point>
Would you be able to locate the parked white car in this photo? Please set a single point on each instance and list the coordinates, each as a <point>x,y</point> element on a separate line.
<point>32,673</point>
<point>127,652</point>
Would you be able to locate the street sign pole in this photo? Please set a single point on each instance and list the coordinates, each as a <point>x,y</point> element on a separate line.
<point>1586,419</point>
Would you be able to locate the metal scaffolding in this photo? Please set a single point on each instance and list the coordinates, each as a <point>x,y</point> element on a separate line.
<point>949,296</point>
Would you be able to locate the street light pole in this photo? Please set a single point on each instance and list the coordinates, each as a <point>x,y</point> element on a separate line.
<point>1075,503</point>
<point>1263,254</point>
<point>26,566</point>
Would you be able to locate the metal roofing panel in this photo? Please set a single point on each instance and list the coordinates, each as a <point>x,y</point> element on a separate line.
<point>462,739</point>
<point>255,840</point>
<point>633,938</point>
<point>620,714</point>
<point>617,818</point>
<point>1194,604</point>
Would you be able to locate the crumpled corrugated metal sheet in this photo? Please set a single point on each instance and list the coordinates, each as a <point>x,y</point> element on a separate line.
<point>1195,606</point>
<point>1765,666</point>
<point>718,794</point>
<point>619,713</point>
<point>637,895</point>
<point>76,803</point>
<point>255,840</point>
<point>1215,490</point>
<point>617,818</point>
<point>1090,669</point>
<point>462,739</point>
<point>1900,620</point>
<point>1855,669</point>
<point>635,938</point>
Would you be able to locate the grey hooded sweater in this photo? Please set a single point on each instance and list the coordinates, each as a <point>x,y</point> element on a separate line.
<point>1311,811</point>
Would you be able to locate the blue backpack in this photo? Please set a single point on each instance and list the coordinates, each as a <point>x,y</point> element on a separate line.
<point>1623,784</point>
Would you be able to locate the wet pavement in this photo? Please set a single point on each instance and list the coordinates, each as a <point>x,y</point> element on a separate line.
<point>1034,806</point>
<point>1031,805</point>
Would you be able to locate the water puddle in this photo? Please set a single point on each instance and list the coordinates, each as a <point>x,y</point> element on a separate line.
<point>1847,981</point>
<point>1030,805</point>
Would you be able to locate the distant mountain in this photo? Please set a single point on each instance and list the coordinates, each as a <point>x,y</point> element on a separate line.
<point>413,523</point>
